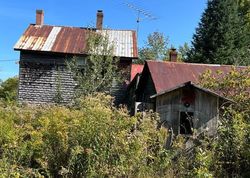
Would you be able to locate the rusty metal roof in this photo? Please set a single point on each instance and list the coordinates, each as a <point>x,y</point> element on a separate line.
<point>72,40</point>
<point>168,75</point>
<point>135,69</point>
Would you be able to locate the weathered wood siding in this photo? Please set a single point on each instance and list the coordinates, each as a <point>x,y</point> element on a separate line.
<point>43,78</point>
<point>118,89</point>
<point>205,109</point>
<point>144,93</point>
<point>168,106</point>
<point>206,112</point>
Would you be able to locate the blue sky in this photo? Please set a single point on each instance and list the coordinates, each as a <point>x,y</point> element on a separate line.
<point>176,19</point>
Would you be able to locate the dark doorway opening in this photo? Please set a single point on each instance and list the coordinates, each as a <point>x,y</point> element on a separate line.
<point>186,123</point>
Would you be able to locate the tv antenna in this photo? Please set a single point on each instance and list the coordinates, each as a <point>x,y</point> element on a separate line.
<point>140,12</point>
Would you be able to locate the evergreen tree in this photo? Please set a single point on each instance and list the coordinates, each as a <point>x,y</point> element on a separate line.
<point>222,36</point>
<point>245,10</point>
<point>235,36</point>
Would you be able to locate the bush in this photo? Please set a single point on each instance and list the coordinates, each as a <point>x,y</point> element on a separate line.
<point>91,139</point>
<point>8,90</point>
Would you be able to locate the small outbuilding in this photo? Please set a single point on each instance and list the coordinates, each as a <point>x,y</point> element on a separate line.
<point>160,76</point>
<point>188,108</point>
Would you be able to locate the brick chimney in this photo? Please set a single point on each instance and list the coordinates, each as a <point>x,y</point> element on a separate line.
<point>99,20</point>
<point>173,55</point>
<point>39,17</point>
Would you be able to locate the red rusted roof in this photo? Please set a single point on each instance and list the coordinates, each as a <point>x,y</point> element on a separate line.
<point>72,40</point>
<point>167,75</point>
<point>135,69</point>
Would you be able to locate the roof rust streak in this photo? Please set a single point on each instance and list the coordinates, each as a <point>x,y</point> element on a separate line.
<point>135,51</point>
<point>71,40</point>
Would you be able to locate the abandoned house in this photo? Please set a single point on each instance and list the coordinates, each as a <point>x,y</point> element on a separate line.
<point>44,50</point>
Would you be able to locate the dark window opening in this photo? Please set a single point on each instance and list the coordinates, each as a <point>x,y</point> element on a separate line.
<point>80,71</point>
<point>186,124</point>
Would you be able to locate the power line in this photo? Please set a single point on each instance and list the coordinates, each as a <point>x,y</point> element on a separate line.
<point>6,60</point>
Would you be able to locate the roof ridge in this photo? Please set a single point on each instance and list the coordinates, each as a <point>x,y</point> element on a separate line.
<point>198,64</point>
<point>86,28</point>
<point>61,26</point>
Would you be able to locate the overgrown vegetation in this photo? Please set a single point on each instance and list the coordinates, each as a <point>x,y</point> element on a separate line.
<point>227,153</point>
<point>97,71</point>
<point>91,139</point>
<point>95,139</point>
<point>8,90</point>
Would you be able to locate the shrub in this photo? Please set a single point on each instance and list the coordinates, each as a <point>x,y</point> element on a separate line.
<point>91,139</point>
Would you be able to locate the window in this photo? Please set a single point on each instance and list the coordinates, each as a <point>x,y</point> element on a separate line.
<point>81,61</point>
<point>186,123</point>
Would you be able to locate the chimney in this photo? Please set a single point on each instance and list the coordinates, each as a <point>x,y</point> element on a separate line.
<point>39,17</point>
<point>99,20</point>
<point>173,55</point>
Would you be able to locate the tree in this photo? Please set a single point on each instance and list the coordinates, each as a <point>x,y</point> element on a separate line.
<point>99,69</point>
<point>183,52</point>
<point>8,89</point>
<point>222,35</point>
<point>245,9</point>
<point>156,47</point>
<point>235,48</point>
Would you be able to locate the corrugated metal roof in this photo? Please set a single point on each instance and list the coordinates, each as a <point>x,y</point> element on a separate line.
<point>135,69</point>
<point>51,39</point>
<point>122,41</point>
<point>73,40</point>
<point>167,75</point>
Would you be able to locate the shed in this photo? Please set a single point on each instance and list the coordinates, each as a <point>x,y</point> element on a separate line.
<point>159,76</point>
<point>188,108</point>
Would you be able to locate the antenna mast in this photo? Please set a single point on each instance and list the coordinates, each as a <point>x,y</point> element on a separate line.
<point>140,11</point>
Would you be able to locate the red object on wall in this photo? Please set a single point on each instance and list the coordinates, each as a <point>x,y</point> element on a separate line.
<point>188,97</point>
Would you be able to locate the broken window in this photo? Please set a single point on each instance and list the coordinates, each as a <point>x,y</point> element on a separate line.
<point>186,123</point>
